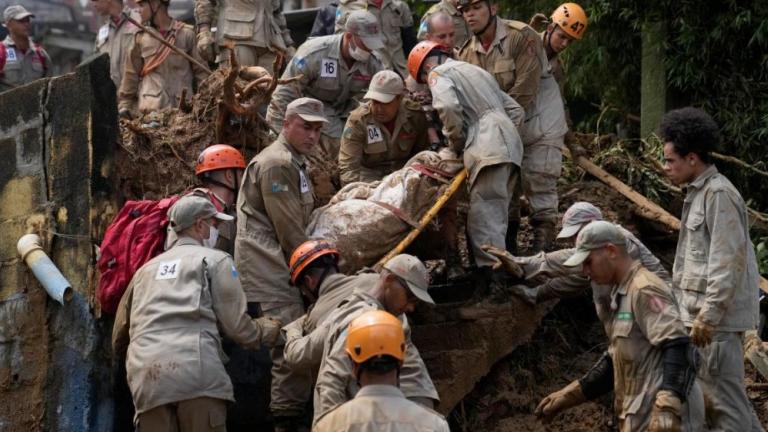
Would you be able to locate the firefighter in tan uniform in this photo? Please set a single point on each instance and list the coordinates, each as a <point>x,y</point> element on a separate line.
<point>170,319</point>
<point>255,27</point>
<point>715,272</point>
<point>382,133</point>
<point>154,76</point>
<point>375,345</point>
<point>116,36</point>
<point>273,210</point>
<point>650,363</point>
<point>400,286</point>
<point>428,28</point>
<point>21,59</point>
<point>396,21</point>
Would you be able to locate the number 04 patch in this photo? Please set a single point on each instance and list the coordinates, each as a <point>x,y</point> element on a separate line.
<point>168,270</point>
<point>374,134</point>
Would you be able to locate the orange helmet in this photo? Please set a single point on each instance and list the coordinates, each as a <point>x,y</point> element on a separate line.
<point>375,333</point>
<point>219,156</point>
<point>571,18</point>
<point>306,253</point>
<point>418,54</point>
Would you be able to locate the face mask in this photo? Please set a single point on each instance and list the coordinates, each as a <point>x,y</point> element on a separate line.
<point>358,54</point>
<point>213,237</point>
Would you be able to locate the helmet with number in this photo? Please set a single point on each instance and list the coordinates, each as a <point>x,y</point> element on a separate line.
<point>572,19</point>
<point>418,54</point>
<point>375,334</point>
<point>219,156</point>
<point>307,253</point>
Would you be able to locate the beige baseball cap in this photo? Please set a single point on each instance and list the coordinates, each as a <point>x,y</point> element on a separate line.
<point>16,12</point>
<point>364,25</point>
<point>413,272</point>
<point>309,109</point>
<point>189,209</point>
<point>595,235</point>
<point>385,86</point>
<point>578,215</point>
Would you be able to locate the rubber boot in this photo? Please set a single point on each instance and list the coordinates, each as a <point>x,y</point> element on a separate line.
<point>543,236</point>
<point>511,239</point>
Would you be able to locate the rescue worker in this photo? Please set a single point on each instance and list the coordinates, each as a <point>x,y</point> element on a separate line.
<point>561,281</point>
<point>273,209</point>
<point>715,272</point>
<point>649,363</point>
<point>382,133</point>
<point>480,121</point>
<point>433,25</point>
<point>336,70</point>
<point>376,347</point>
<point>396,22</point>
<point>21,59</point>
<point>154,76</point>
<point>402,283</point>
<point>116,36</point>
<point>170,319</point>
<point>256,28</point>
<point>512,51</point>
<point>219,169</point>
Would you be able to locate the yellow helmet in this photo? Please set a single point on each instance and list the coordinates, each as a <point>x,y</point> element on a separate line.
<point>571,18</point>
<point>375,333</point>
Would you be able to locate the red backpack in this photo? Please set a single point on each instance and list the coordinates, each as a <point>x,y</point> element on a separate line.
<point>135,236</point>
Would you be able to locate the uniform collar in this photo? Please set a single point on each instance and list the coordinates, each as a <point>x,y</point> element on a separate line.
<point>501,33</point>
<point>294,154</point>
<point>366,296</point>
<point>8,41</point>
<point>185,241</point>
<point>334,51</point>
<point>329,282</point>
<point>380,390</point>
<point>623,286</point>
<point>698,183</point>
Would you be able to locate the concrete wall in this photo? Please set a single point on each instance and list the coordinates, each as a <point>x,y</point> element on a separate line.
<point>57,137</point>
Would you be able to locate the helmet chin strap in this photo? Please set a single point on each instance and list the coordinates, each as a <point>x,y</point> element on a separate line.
<point>492,20</point>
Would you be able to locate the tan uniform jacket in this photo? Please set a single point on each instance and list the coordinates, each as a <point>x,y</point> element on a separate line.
<point>715,268</point>
<point>21,68</point>
<point>393,16</point>
<point>326,77</point>
<point>162,87</point>
<point>304,345</point>
<point>513,58</point>
<point>227,229</point>
<point>645,316</point>
<point>461,29</point>
<point>478,118</point>
<point>171,313</point>
<point>336,383</point>
<point>381,408</point>
<point>116,39</point>
<point>258,23</point>
<point>369,151</point>
<point>273,209</point>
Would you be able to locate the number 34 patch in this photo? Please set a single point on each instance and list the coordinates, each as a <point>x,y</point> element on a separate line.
<point>168,270</point>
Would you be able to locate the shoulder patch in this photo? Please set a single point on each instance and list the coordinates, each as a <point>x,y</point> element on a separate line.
<point>235,274</point>
<point>347,134</point>
<point>279,187</point>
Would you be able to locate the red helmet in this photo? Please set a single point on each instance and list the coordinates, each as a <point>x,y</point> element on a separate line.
<point>219,156</point>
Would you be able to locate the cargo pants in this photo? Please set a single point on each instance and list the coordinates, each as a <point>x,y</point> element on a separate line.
<point>542,166</point>
<point>248,55</point>
<point>201,414</point>
<point>487,219</point>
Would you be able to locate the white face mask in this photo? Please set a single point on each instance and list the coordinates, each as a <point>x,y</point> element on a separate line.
<point>213,237</point>
<point>357,53</point>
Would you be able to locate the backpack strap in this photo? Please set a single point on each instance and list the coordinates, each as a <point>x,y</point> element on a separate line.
<point>41,57</point>
<point>3,56</point>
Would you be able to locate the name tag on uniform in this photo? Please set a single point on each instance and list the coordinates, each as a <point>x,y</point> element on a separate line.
<point>103,34</point>
<point>304,186</point>
<point>11,54</point>
<point>374,134</point>
<point>168,270</point>
<point>329,68</point>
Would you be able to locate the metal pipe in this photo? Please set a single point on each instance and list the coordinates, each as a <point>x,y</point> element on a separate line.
<point>46,272</point>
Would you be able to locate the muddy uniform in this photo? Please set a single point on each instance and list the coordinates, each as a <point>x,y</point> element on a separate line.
<point>394,16</point>
<point>462,31</point>
<point>169,319</point>
<point>227,229</point>
<point>17,68</point>
<point>481,121</point>
<point>381,408</point>
<point>642,318</point>
<point>370,150</point>
<point>273,209</point>
<point>154,76</point>
<point>116,39</point>
<point>252,25</point>
<point>336,383</point>
<point>716,278</point>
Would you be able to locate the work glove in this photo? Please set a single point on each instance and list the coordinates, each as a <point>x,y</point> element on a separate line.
<point>270,331</point>
<point>561,400</point>
<point>205,44</point>
<point>295,329</point>
<point>665,416</point>
<point>505,260</point>
<point>701,333</point>
<point>538,20</point>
